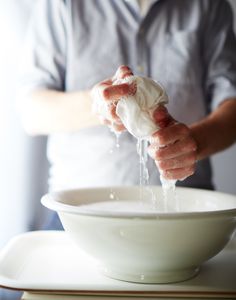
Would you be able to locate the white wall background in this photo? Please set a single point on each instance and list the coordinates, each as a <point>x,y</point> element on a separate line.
<point>22,178</point>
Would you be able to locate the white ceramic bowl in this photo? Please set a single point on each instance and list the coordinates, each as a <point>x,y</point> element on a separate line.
<point>138,242</point>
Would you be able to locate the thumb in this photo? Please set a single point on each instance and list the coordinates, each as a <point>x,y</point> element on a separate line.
<point>162,117</point>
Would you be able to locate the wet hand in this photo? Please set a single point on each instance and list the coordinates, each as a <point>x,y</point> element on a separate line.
<point>172,147</point>
<point>111,94</point>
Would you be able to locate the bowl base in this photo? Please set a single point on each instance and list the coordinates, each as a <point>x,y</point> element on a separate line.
<point>152,277</point>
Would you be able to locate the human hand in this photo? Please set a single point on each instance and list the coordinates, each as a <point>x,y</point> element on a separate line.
<point>172,147</point>
<point>111,92</point>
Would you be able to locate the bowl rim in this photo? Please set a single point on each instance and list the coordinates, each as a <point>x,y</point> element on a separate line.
<point>48,200</point>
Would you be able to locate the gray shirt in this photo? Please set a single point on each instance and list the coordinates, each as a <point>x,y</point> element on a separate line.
<point>188,46</point>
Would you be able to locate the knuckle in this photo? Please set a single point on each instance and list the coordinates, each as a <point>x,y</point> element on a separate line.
<point>161,164</point>
<point>184,129</point>
<point>179,128</point>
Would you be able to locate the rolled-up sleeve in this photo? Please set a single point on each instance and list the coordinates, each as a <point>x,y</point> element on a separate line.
<point>220,53</point>
<point>44,54</point>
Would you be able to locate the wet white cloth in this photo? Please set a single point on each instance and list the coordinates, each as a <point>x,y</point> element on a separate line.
<point>135,110</point>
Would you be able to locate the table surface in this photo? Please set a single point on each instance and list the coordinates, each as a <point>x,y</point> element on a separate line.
<point>61,267</point>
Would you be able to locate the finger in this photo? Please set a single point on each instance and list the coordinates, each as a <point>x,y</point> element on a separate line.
<point>118,127</point>
<point>181,161</point>
<point>174,150</point>
<point>170,134</point>
<point>179,174</point>
<point>112,109</point>
<point>97,90</point>
<point>161,117</point>
<point>113,125</point>
<point>112,112</point>
<point>115,92</point>
<point>103,84</point>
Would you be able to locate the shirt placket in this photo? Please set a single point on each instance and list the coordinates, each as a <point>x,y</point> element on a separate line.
<point>142,49</point>
<point>141,61</point>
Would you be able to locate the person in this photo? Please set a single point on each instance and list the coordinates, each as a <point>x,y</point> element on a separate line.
<point>72,46</point>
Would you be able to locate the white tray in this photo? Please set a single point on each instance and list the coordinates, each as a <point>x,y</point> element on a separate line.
<point>48,261</point>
